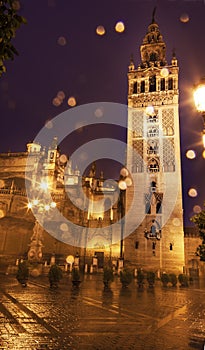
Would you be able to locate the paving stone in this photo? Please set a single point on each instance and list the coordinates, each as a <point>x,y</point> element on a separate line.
<point>37,318</point>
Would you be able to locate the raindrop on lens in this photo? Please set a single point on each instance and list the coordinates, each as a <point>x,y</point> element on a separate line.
<point>62,41</point>
<point>72,101</point>
<point>184,18</point>
<point>190,154</point>
<point>197,209</point>
<point>120,27</point>
<point>192,192</point>
<point>100,30</point>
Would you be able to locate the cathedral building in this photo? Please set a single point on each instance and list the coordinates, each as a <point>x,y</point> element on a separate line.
<point>149,233</point>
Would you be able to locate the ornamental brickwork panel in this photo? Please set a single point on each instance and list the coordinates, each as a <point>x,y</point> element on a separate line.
<point>137,156</point>
<point>168,121</point>
<point>137,123</point>
<point>168,155</point>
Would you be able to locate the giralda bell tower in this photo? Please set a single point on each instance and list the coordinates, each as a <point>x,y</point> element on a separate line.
<point>154,229</point>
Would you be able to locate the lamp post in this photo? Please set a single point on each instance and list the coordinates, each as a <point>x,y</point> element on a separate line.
<point>124,182</point>
<point>199,99</point>
<point>39,205</point>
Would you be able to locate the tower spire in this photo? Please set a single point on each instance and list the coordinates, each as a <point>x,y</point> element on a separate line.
<point>153,14</point>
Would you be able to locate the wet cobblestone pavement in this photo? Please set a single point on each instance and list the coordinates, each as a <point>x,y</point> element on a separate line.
<point>37,317</point>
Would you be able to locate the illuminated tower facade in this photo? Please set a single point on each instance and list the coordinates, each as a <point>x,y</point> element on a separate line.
<point>153,158</point>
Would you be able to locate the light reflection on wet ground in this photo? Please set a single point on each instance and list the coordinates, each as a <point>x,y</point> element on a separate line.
<point>92,318</point>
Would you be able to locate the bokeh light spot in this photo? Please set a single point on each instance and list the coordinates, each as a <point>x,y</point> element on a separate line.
<point>83,156</point>
<point>190,154</point>
<point>63,158</point>
<point>99,112</point>
<point>124,172</point>
<point>100,30</point>
<point>64,227</point>
<point>61,95</point>
<point>149,110</point>
<point>164,72</point>
<point>56,102</point>
<point>49,124</point>
<point>62,41</point>
<point>176,222</point>
<point>72,101</point>
<point>120,27</point>
<point>184,18</point>
<point>192,192</point>
<point>122,185</point>
<point>203,154</point>
<point>197,209</point>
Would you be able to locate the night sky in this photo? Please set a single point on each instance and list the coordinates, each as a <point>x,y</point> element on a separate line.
<point>59,50</point>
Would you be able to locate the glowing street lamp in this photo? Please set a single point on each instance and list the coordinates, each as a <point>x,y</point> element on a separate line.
<point>39,206</point>
<point>199,99</point>
<point>124,182</point>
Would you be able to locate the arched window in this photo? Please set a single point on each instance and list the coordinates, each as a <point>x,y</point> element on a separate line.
<point>142,86</point>
<point>162,84</point>
<point>135,88</point>
<point>170,131</point>
<point>153,166</point>
<point>158,208</point>
<point>152,83</point>
<point>148,208</point>
<point>170,84</point>
<point>153,55</point>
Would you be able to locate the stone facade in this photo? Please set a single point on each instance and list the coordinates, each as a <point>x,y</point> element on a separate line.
<point>153,158</point>
<point>92,219</point>
<point>152,231</point>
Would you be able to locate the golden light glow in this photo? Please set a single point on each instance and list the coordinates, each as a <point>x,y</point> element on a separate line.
<point>203,138</point>
<point>184,18</point>
<point>190,154</point>
<point>53,204</point>
<point>44,185</point>
<point>124,172</point>
<point>192,192</point>
<point>35,201</point>
<point>120,27</point>
<point>29,205</point>
<point>164,72</point>
<point>47,207</point>
<point>149,110</point>
<point>122,185</point>
<point>2,214</point>
<point>199,98</point>
<point>203,154</point>
<point>128,181</point>
<point>100,30</point>
<point>72,101</point>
